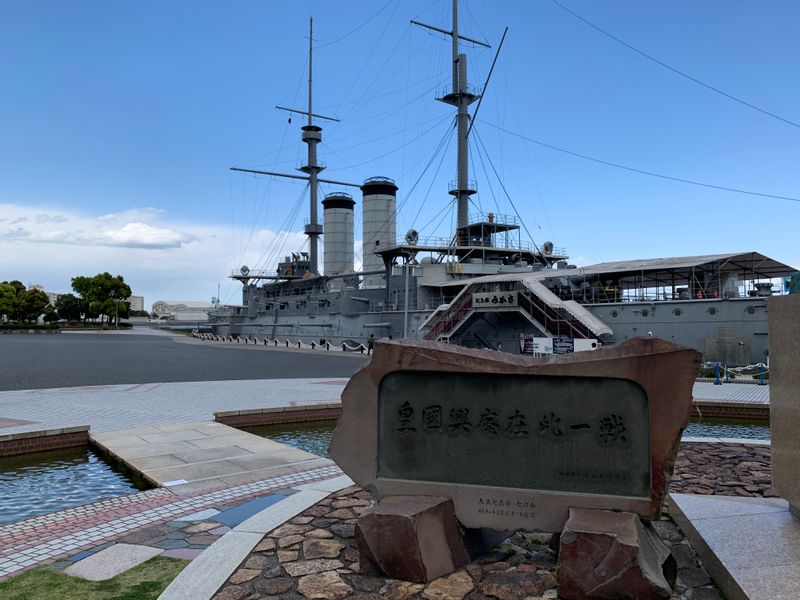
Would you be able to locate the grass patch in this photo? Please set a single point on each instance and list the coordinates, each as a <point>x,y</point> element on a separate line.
<point>144,582</point>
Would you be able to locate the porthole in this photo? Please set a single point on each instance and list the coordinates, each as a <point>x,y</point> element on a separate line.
<point>677,312</point>
<point>751,310</point>
<point>712,311</point>
<point>645,313</point>
<point>614,314</point>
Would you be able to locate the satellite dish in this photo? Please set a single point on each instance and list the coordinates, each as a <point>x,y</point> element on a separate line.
<point>245,269</point>
<point>412,237</point>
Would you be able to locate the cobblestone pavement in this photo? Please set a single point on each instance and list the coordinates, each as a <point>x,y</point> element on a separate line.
<point>315,556</point>
<point>723,470</point>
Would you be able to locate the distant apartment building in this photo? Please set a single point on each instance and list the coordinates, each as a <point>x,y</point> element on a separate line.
<point>136,302</point>
<point>182,310</point>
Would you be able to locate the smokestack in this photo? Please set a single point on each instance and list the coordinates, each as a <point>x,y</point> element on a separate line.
<point>338,219</point>
<point>379,208</point>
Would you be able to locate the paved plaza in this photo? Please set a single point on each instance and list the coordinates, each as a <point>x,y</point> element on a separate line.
<point>148,356</point>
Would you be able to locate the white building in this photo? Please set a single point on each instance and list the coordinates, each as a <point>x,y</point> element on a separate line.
<point>136,302</point>
<point>182,310</point>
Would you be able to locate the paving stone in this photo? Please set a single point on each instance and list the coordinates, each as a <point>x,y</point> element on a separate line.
<point>274,587</point>
<point>202,539</point>
<point>309,567</point>
<point>234,516</point>
<point>111,561</point>
<point>328,586</point>
<point>176,535</point>
<point>290,541</point>
<point>145,536</point>
<point>316,548</point>
<point>265,545</point>
<point>199,516</point>
<point>452,587</point>
<point>220,530</point>
<point>288,529</point>
<point>202,527</point>
<point>257,561</point>
<point>319,534</point>
<point>232,592</point>
<point>345,530</point>
<point>243,575</point>
<point>287,555</point>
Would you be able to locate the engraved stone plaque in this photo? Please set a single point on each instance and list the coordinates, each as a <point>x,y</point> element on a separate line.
<point>587,435</point>
<point>517,441</point>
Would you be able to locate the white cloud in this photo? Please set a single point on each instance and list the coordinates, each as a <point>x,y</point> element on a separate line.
<point>159,258</point>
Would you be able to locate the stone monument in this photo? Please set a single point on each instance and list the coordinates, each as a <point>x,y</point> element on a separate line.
<point>784,395</point>
<point>511,442</point>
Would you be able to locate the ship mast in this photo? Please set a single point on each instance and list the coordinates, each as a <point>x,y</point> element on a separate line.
<point>460,96</point>
<point>312,135</point>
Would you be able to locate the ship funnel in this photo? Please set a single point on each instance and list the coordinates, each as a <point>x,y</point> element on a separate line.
<point>379,224</point>
<point>338,219</point>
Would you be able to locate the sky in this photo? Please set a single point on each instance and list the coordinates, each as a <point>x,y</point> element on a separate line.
<point>119,122</point>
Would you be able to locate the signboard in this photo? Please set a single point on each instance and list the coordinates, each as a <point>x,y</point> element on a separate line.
<point>563,345</point>
<point>587,435</point>
<point>494,300</point>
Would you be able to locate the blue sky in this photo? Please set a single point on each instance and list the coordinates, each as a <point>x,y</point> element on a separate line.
<point>119,122</point>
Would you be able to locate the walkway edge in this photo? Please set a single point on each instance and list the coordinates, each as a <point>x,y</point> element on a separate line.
<point>201,579</point>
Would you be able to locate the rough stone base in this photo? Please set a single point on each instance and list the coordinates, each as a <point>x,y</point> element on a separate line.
<point>413,538</point>
<point>605,555</point>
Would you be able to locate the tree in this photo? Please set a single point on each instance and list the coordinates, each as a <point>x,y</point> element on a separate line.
<point>102,294</point>
<point>8,301</point>
<point>32,304</point>
<point>68,307</point>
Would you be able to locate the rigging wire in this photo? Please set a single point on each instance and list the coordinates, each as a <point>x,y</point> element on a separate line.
<point>433,179</point>
<point>674,69</point>
<point>347,35</point>
<point>641,171</point>
<point>505,191</point>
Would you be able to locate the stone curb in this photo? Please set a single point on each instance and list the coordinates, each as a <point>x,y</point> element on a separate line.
<point>201,579</point>
<point>716,440</point>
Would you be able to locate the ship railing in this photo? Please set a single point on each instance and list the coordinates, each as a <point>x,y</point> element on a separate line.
<point>493,217</point>
<point>449,89</point>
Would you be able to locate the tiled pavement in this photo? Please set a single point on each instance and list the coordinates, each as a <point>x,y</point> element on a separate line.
<point>113,407</point>
<point>89,528</point>
<point>733,393</point>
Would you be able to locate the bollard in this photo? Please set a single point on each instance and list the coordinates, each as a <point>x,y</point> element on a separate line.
<point>287,343</point>
<point>313,345</point>
<point>328,346</point>
<point>716,375</point>
<point>298,343</point>
<point>361,347</point>
<point>344,349</point>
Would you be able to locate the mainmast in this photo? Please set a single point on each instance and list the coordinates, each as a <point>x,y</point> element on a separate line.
<point>460,96</point>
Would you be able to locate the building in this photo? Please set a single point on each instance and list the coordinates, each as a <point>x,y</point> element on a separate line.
<point>182,310</point>
<point>136,302</point>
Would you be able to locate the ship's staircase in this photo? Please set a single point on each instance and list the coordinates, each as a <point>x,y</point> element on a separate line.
<point>550,314</point>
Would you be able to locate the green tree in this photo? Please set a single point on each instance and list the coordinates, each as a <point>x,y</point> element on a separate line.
<point>32,304</point>
<point>103,294</point>
<point>68,307</point>
<point>8,301</point>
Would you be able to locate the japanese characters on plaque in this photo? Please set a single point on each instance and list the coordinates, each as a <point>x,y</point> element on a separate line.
<point>570,434</point>
<point>493,300</point>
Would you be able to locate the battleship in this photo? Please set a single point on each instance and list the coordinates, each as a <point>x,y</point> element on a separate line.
<point>486,287</point>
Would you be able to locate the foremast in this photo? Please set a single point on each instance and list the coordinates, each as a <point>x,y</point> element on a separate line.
<point>312,135</point>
